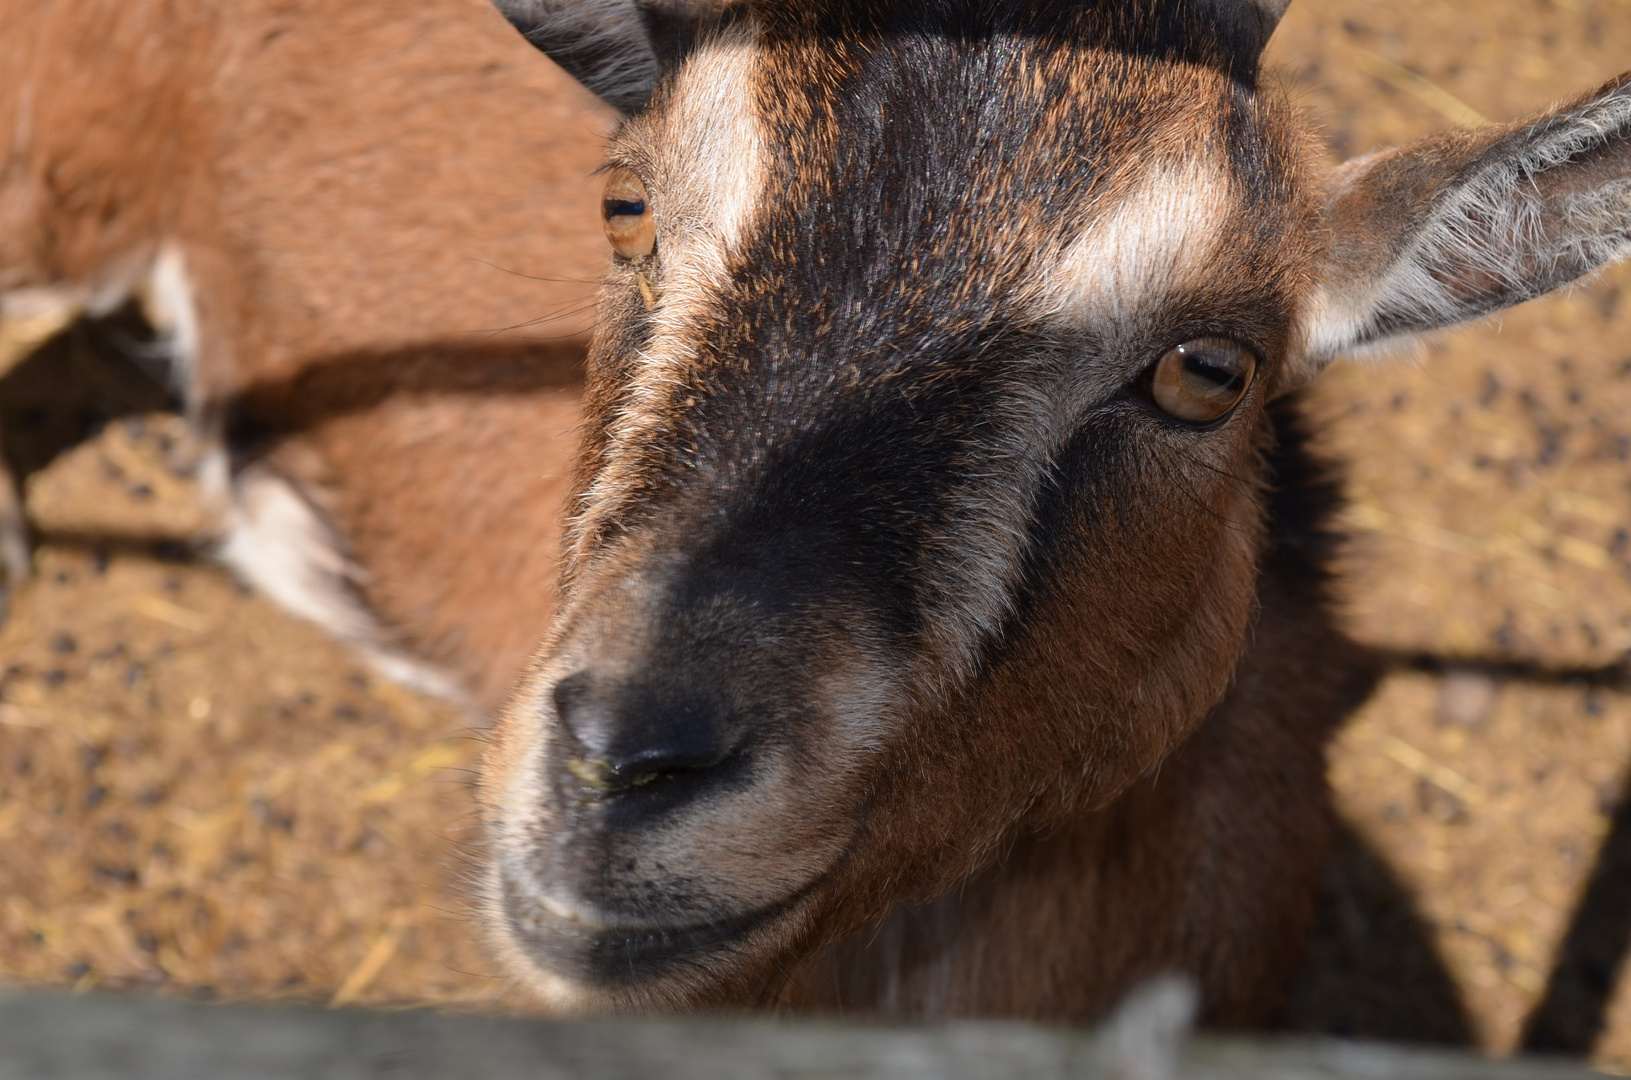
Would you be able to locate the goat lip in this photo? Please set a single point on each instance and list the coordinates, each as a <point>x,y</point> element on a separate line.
<point>593,947</point>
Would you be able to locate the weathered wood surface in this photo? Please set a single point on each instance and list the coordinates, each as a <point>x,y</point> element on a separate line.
<point>60,1037</point>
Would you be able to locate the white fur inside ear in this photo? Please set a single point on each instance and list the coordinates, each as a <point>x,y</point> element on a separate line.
<point>1498,227</point>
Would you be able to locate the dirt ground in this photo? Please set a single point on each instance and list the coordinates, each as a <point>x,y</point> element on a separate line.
<point>202,795</point>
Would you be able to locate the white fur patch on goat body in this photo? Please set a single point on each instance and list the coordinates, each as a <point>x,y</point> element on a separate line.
<point>170,306</point>
<point>276,541</point>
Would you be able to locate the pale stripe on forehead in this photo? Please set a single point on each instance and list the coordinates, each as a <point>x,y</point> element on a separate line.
<point>1155,240</point>
<point>711,150</point>
<point>707,178</point>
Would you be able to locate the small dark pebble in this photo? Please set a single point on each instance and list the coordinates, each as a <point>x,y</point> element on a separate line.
<point>91,757</point>
<point>63,644</point>
<point>78,969</point>
<point>100,559</point>
<point>121,875</point>
<point>112,652</point>
<point>134,673</point>
<point>344,712</point>
<point>55,677</point>
<point>95,795</point>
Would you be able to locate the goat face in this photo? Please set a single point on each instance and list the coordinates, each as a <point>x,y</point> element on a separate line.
<point>921,502</point>
<point>920,499</point>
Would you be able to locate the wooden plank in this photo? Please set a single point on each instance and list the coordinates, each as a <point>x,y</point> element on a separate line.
<point>104,1037</point>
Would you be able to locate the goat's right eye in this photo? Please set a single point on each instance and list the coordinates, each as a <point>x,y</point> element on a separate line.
<point>1200,381</point>
<point>627,212</point>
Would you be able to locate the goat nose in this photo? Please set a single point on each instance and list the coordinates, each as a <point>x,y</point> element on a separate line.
<point>623,737</point>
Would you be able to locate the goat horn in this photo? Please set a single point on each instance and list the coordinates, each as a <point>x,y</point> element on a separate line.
<point>1247,26</point>
<point>1269,13</point>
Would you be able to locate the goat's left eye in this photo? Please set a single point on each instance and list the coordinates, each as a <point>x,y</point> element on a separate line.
<point>627,212</point>
<point>1201,380</point>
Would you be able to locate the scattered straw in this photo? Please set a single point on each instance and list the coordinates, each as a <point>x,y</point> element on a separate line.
<point>155,607</point>
<point>1434,771</point>
<point>379,954</point>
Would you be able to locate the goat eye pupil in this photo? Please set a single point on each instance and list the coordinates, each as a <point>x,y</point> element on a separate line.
<point>624,208</point>
<point>1200,366</point>
<point>1201,381</point>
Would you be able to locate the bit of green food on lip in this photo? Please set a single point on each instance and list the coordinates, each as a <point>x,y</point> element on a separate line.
<point>593,772</point>
<point>602,776</point>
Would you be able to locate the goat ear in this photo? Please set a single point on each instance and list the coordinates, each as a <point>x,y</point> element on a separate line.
<point>1466,223</point>
<point>617,48</point>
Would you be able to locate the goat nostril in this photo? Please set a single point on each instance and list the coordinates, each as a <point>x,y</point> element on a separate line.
<point>618,738</point>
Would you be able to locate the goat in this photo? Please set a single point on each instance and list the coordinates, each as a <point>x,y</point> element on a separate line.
<point>943,626</point>
<point>309,197</point>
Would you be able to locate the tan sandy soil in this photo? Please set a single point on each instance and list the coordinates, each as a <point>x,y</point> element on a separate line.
<point>200,794</point>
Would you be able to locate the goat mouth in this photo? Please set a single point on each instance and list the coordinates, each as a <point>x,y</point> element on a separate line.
<point>570,942</point>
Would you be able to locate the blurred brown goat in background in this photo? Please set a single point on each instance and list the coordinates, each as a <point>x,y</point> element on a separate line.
<point>329,211</point>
